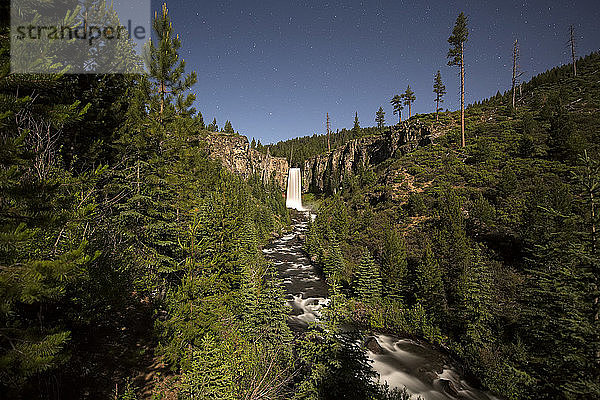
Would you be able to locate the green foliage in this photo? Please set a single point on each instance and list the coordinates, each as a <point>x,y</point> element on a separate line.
<point>228,128</point>
<point>460,34</point>
<point>380,118</point>
<point>501,254</point>
<point>167,69</point>
<point>440,90</point>
<point>110,212</point>
<point>210,375</point>
<point>394,265</point>
<point>356,127</point>
<point>333,364</point>
<point>128,393</point>
<point>367,279</point>
<point>213,127</point>
<point>333,261</point>
<point>398,106</point>
<point>408,97</point>
<point>430,286</point>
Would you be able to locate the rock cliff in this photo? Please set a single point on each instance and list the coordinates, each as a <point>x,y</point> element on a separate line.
<point>236,155</point>
<point>324,172</point>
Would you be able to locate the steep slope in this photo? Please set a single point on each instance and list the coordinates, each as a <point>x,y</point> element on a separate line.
<point>494,244</point>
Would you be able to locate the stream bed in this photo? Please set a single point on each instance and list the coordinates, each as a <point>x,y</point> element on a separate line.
<point>401,362</point>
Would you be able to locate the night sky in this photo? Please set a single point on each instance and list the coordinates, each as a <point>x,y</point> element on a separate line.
<point>274,68</point>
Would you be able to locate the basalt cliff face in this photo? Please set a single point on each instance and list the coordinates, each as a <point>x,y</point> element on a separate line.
<point>236,155</point>
<point>323,173</point>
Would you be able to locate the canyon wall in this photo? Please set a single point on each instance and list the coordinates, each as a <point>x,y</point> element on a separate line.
<point>324,172</point>
<point>236,155</point>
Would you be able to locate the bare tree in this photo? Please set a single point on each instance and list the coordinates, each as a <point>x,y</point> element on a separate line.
<point>41,138</point>
<point>328,133</point>
<point>573,44</point>
<point>516,72</point>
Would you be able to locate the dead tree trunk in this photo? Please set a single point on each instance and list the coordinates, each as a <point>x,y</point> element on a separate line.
<point>514,72</point>
<point>462,94</point>
<point>328,133</point>
<point>572,43</point>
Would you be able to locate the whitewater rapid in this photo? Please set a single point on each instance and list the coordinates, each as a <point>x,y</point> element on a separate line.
<point>422,369</point>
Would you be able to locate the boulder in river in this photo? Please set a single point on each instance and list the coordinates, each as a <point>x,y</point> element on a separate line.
<point>448,387</point>
<point>373,345</point>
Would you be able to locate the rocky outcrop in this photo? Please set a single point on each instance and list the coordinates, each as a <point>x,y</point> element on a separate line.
<point>324,172</point>
<point>236,155</point>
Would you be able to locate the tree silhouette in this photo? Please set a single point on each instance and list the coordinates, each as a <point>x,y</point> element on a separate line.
<point>228,128</point>
<point>356,127</point>
<point>398,107</point>
<point>380,118</point>
<point>409,97</point>
<point>456,56</point>
<point>440,90</point>
<point>166,68</point>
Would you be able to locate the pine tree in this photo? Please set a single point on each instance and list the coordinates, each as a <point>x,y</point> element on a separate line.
<point>380,119</point>
<point>367,279</point>
<point>394,265</point>
<point>429,284</point>
<point>312,238</point>
<point>440,90</point>
<point>45,252</point>
<point>456,56</point>
<point>210,373</point>
<point>199,119</point>
<point>409,97</point>
<point>398,106</point>
<point>334,261</point>
<point>452,243</point>
<point>337,213</point>
<point>165,66</point>
<point>213,127</point>
<point>253,144</point>
<point>228,128</point>
<point>356,127</point>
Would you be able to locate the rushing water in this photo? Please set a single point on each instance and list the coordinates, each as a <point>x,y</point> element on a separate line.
<point>294,190</point>
<point>401,362</point>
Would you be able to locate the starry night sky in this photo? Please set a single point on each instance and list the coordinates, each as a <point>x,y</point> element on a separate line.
<point>274,68</point>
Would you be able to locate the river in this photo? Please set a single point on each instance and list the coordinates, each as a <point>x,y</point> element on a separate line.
<point>401,362</point>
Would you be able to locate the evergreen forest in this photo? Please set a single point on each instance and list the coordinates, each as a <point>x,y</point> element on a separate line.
<point>131,262</point>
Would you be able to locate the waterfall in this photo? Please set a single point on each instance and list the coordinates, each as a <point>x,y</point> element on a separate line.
<point>294,190</point>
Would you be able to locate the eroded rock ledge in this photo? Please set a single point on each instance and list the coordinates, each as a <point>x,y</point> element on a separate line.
<point>236,155</point>
<point>324,172</point>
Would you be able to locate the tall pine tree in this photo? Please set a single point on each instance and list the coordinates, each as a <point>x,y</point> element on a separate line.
<point>166,68</point>
<point>440,90</point>
<point>398,106</point>
<point>456,57</point>
<point>409,98</point>
<point>380,119</point>
<point>367,279</point>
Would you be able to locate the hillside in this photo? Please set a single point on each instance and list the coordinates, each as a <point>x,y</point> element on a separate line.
<point>494,243</point>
